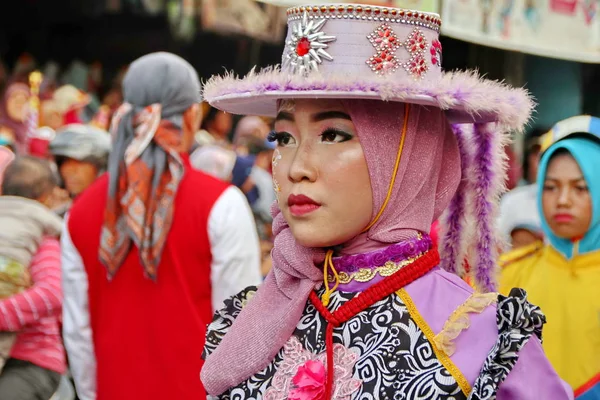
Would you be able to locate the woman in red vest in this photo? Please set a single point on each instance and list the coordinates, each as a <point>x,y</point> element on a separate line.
<point>152,248</point>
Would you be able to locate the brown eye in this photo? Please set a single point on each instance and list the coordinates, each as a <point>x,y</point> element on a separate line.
<point>282,138</point>
<point>335,136</point>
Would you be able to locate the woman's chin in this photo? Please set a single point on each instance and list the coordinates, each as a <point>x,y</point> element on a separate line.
<point>315,237</point>
<point>568,233</point>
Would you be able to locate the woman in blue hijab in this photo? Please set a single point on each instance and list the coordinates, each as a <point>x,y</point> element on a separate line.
<point>563,276</point>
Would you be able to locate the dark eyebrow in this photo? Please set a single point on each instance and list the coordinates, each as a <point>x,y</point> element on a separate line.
<point>284,116</point>
<point>322,116</point>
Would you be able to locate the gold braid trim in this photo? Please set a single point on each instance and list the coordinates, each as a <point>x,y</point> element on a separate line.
<point>367,274</point>
<point>464,385</point>
<point>459,320</point>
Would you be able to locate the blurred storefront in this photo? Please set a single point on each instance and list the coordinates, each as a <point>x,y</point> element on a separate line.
<point>550,46</point>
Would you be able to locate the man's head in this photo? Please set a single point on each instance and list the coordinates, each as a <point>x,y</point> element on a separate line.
<point>31,178</point>
<point>81,154</point>
<point>167,80</point>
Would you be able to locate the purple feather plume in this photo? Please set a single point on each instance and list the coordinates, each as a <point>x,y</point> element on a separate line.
<point>488,176</point>
<point>454,233</point>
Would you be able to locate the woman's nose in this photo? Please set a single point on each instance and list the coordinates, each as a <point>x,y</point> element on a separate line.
<point>303,167</point>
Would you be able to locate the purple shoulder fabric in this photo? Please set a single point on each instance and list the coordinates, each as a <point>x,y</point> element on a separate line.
<point>436,296</point>
<point>533,377</point>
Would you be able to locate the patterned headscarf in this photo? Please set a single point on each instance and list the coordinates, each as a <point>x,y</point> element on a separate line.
<point>144,167</point>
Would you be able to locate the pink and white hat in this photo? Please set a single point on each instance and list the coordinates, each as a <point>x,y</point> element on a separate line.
<point>366,52</point>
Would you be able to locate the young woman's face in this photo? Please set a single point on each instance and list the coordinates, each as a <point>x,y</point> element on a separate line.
<point>566,200</point>
<point>320,173</point>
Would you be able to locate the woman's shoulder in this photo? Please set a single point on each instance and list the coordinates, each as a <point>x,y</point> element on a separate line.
<point>521,255</point>
<point>516,366</point>
<point>224,318</point>
<point>516,266</point>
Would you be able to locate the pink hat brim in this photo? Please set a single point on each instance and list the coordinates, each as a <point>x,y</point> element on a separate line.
<point>464,96</point>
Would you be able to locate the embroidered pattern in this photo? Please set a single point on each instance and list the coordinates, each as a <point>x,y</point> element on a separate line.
<point>306,48</point>
<point>295,356</point>
<point>367,274</point>
<point>459,320</point>
<point>394,358</point>
<point>517,321</point>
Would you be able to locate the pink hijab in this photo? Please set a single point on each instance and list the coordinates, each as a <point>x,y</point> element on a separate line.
<point>427,178</point>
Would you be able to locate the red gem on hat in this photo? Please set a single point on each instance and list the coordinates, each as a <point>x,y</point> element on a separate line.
<point>303,47</point>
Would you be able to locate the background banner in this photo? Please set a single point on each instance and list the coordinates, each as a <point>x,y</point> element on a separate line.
<point>564,29</point>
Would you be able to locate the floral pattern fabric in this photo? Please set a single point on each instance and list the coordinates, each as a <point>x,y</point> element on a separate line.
<point>383,353</point>
<point>379,354</point>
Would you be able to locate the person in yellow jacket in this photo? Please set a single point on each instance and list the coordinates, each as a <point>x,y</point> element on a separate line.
<point>563,275</point>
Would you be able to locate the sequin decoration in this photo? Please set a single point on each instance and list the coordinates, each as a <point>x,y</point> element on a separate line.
<point>416,44</point>
<point>305,50</point>
<point>384,38</point>
<point>386,42</point>
<point>436,53</point>
<point>383,62</point>
<point>367,13</point>
<point>416,66</point>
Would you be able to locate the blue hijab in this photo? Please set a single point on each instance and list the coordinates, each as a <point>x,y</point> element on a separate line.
<point>586,152</point>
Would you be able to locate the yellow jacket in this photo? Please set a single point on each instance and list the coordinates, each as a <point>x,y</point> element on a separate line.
<point>568,292</point>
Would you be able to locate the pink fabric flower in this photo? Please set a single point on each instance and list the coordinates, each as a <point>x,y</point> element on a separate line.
<point>309,382</point>
<point>301,375</point>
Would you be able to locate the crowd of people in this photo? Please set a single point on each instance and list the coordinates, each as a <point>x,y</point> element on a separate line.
<point>342,235</point>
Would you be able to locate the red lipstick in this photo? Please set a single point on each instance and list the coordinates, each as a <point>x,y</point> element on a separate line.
<point>300,204</point>
<point>563,218</point>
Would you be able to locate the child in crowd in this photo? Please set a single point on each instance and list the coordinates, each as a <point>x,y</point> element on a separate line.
<point>27,188</point>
